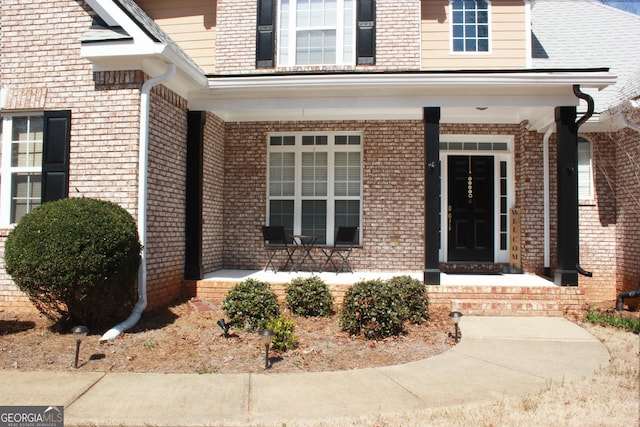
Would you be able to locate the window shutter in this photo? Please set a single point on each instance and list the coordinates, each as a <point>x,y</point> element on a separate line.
<point>55,158</point>
<point>265,34</point>
<point>366,32</point>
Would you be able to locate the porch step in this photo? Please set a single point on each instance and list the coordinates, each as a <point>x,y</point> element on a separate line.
<point>509,300</point>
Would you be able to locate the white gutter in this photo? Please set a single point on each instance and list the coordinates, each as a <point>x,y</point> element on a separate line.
<point>545,203</point>
<point>143,156</point>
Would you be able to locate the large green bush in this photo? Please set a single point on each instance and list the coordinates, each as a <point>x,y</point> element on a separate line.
<point>374,309</point>
<point>77,260</point>
<point>309,297</point>
<point>250,305</point>
<point>414,295</point>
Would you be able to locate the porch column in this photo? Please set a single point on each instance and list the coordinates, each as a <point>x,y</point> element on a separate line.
<point>193,269</point>
<point>431,195</point>
<point>567,135</point>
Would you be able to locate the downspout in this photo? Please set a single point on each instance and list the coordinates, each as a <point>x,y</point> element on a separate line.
<point>590,107</point>
<point>143,156</point>
<point>545,203</point>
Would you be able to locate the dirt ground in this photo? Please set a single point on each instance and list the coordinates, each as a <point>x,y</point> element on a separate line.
<point>184,339</point>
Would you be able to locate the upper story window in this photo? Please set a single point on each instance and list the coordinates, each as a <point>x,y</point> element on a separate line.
<point>315,32</point>
<point>470,25</point>
<point>585,169</point>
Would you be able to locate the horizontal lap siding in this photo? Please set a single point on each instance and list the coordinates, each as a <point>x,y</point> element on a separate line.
<point>508,38</point>
<point>190,23</point>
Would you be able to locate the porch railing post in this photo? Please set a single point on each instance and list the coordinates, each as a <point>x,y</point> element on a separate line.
<point>431,195</point>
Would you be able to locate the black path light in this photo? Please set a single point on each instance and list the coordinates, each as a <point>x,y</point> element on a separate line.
<point>224,326</point>
<point>79,332</point>
<point>455,317</point>
<point>267,336</point>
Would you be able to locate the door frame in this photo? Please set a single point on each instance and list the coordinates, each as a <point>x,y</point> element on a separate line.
<point>500,255</point>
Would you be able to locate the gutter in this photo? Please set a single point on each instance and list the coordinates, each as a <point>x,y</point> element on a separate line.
<point>143,156</point>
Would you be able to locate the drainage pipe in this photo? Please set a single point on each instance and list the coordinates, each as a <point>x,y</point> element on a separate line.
<point>143,156</point>
<point>623,295</point>
<point>545,203</point>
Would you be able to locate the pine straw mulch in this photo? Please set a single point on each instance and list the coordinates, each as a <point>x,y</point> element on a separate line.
<point>181,339</point>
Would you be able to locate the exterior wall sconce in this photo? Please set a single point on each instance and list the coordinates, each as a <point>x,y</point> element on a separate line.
<point>79,332</point>
<point>267,337</point>
<point>455,318</point>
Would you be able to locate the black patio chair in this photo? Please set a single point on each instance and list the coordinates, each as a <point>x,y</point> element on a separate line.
<point>275,240</point>
<point>341,249</point>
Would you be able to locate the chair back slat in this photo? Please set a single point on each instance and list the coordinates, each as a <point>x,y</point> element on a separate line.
<point>274,234</point>
<point>346,236</point>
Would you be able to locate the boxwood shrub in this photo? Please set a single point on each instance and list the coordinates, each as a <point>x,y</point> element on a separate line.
<point>373,309</point>
<point>283,337</point>
<point>414,295</point>
<point>77,260</point>
<point>250,305</point>
<point>309,297</point>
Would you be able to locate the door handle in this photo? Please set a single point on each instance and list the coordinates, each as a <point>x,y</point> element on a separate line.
<point>450,217</point>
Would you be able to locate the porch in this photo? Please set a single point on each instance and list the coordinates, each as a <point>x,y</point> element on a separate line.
<point>471,294</point>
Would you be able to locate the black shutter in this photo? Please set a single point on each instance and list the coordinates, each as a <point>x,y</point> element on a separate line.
<point>55,156</point>
<point>265,34</point>
<point>366,32</point>
<point>193,269</point>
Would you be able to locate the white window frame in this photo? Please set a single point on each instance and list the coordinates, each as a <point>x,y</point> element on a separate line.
<point>466,52</point>
<point>588,174</point>
<point>7,171</point>
<point>288,51</point>
<point>331,148</point>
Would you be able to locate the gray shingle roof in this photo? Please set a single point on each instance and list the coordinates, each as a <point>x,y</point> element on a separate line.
<point>586,34</point>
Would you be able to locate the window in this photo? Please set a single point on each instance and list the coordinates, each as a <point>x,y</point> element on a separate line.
<point>315,183</point>
<point>316,32</point>
<point>470,25</point>
<point>585,170</point>
<point>20,166</point>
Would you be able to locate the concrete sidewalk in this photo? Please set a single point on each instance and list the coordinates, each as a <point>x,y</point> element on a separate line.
<point>497,357</point>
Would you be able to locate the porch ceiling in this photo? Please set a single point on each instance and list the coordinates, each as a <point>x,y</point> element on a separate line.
<point>509,97</point>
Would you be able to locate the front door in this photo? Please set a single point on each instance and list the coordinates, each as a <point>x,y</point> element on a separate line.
<point>470,221</point>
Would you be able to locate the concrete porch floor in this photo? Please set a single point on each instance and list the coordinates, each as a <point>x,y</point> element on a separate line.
<point>512,280</point>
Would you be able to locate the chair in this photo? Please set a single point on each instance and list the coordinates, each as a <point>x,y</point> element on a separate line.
<point>343,245</point>
<point>275,240</point>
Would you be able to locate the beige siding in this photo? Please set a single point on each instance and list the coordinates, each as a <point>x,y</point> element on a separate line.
<point>190,23</point>
<point>508,38</point>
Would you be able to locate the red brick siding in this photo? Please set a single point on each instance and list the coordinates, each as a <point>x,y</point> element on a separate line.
<point>213,197</point>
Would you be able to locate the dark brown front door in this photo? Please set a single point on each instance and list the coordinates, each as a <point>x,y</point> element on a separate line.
<point>471,208</point>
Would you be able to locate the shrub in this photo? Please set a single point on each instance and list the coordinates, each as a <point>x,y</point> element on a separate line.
<point>77,259</point>
<point>309,297</point>
<point>414,295</point>
<point>250,304</point>
<point>283,336</point>
<point>374,309</point>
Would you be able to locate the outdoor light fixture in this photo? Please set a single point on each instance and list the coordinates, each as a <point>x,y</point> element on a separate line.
<point>455,317</point>
<point>224,326</point>
<point>79,332</point>
<point>267,336</point>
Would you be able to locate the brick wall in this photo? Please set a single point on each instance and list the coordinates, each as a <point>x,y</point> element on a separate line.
<point>213,197</point>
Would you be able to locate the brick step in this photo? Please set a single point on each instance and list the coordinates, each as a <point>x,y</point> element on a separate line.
<point>510,307</point>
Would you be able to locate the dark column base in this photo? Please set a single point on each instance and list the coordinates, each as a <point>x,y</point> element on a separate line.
<point>566,278</point>
<point>432,277</point>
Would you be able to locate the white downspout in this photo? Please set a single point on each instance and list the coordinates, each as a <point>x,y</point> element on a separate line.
<point>545,172</point>
<point>143,156</point>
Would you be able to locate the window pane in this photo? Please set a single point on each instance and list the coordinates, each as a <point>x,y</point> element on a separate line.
<point>26,149</point>
<point>347,174</point>
<point>314,174</point>
<point>347,214</point>
<point>314,219</point>
<point>281,174</point>
<point>25,194</point>
<point>281,213</point>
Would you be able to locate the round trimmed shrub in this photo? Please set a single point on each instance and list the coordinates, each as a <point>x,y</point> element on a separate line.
<point>77,259</point>
<point>250,305</point>
<point>374,309</point>
<point>414,295</point>
<point>309,297</point>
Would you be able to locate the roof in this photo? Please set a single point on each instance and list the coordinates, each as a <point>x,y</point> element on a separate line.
<point>587,33</point>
